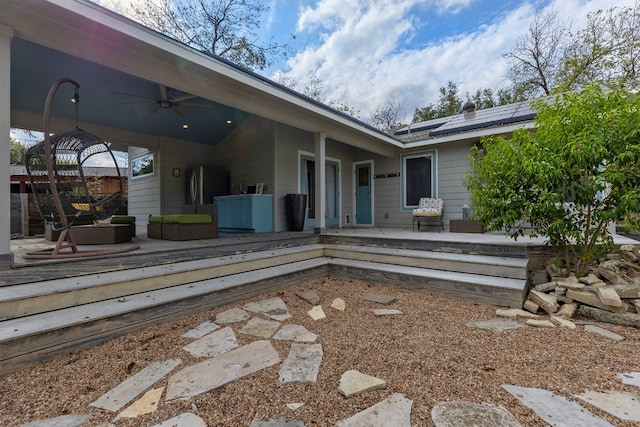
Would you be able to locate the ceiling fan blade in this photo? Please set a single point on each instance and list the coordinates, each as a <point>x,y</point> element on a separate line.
<point>195,104</point>
<point>178,112</point>
<point>183,98</point>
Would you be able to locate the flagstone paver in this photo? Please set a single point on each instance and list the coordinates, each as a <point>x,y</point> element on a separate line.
<point>317,313</point>
<point>295,405</point>
<point>183,420</point>
<point>554,409</point>
<point>621,404</point>
<point>310,296</point>
<point>354,382</point>
<point>234,315</point>
<point>215,343</point>
<point>603,333</point>
<point>393,411</point>
<point>338,304</point>
<point>262,328</point>
<point>495,325</point>
<point>457,414</point>
<point>274,308</point>
<point>386,312</point>
<point>212,373</point>
<point>277,422</point>
<point>147,404</point>
<point>201,330</point>
<point>630,378</point>
<point>302,364</point>
<point>73,420</point>
<point>380,299</point>
<point>296,333</point>
<point>132,387</point>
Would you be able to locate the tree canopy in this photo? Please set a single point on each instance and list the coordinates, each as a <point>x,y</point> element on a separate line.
<point>570,179</point>
<point>227,28</point>
<point>16,152</point>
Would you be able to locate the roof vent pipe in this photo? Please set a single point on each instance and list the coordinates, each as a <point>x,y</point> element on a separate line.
<point>468,107</point>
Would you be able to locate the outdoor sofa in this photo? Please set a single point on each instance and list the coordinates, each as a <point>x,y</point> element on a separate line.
<point>194,223</point>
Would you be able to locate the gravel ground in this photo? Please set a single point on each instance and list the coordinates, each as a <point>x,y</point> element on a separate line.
<point>428,354</point>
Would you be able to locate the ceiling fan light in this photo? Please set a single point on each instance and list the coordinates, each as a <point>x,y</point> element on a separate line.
<point>185,126</point>
<point>228,121</point>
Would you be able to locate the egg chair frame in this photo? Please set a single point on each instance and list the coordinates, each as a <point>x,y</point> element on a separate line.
<point>61,190</point>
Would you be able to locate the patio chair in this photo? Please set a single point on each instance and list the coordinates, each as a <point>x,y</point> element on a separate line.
<point>430,212</point>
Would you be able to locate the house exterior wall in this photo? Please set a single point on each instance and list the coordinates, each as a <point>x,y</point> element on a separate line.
<point>144,192</point>
<point>452,165</point>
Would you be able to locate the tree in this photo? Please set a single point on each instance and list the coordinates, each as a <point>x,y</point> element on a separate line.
<point>227,28</point>
<point>388,114</point>
<point>536,58</point>
<point>449,103</point>
<point>568,180</point>
<point>16,152</point>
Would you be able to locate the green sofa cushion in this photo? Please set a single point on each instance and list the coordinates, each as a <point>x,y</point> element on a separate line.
<point>123,219</point>
<point>187,219</point>
<point>157,219</point>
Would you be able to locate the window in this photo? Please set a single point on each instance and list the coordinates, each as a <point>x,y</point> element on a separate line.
<point>419,178</point>
<point>142,166</point>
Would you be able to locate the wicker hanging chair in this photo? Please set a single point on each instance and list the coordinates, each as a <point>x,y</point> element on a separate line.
<point>55,168</point>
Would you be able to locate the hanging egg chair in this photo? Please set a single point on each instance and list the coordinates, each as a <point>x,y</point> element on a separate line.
<point>56,171</point>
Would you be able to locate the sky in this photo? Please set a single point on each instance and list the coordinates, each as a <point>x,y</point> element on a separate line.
<point>366,52</point>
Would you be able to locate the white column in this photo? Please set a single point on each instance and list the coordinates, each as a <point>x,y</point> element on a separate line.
<point>6,34</point>
<point>321,190</point>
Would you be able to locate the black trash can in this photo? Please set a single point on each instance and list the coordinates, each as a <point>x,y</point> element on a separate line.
<point>295,208</point>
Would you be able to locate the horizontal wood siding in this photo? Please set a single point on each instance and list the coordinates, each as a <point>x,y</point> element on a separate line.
<point>452,167</point>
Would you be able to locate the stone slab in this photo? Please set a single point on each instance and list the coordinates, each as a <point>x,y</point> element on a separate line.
<point>555,410</point>
<point>310,296</point>
<point>630,378</point>
<point>495,325</point>
<point>317,313</point>
<point>621,404</point>
<point>261,328</point>
<point>73,420</point>
<point>603,333</point>
<point>380,299</point>
<point>183,420</point>
<point>147,404</point>
<point>515,312</point>
<point>212,373</point>
<point>457,414</point>
<point>386,312</point>
<point>275,308</point>
<point>277,422</point>
<point>540,323</point>
<point>295,405</point>
<point>234,315</point>
<point>338,304</point>
<point>296,333</point>
<point>215,343</point>
<point>302,364</point>
<point>393,411</point>
<point>132,387</point>
<point>201,330</point>
<point>354,382</point>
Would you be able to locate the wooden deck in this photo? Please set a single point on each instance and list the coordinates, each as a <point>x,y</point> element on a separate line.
<point>50,307</point>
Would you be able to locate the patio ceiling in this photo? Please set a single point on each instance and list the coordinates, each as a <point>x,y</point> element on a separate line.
<point>121,66</point>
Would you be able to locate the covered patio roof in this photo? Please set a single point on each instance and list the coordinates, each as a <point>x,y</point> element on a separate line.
<point>122,68</point>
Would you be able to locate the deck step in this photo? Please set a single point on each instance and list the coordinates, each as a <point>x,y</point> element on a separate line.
<point>497,266</point>
<point>39,297</point>
<point>488,289</point>
<point>39,337</point>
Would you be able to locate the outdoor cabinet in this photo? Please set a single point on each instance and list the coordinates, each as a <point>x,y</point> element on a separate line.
<point>249,213</point>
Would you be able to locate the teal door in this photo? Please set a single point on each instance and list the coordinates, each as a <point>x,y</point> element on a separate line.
<point>332,196</point>
<point>363,194</point>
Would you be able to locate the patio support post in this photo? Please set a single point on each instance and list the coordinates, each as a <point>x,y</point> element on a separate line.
<point>6,34</point>
<point>321,190</point>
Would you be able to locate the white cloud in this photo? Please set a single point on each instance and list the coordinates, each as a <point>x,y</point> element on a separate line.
<point>363,53</point>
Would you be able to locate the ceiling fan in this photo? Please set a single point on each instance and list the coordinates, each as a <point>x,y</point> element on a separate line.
<point>164,101</point>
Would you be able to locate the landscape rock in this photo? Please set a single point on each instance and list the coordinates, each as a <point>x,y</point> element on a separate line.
<point>630,378</point>
<point>603,333</point>
<point>386,312</point>
<point>215,343</point>
<point>623,319</point>
<point>545,287</point>
<point>609,296</point>
<point>72,420</point>
<point>590,279</point>
<point>302,364</point>
<point>495,325</point>
<point>338,304</point>
<point>277,422</point>
<point>310,296</point>
<point>540,323</point>
<point>233,315</point>
<point>275,308</point>
<point>201,330</point>
<point>567,310</point>
<point>393,411</point>
<point>261,328</point>
<point>184,420</point>
<point>592,299</point>
<point>546,302</point>
<point>620,404</point>
<point>380,299</point>
<point>515,312</point>
<point>296,333</point>
<point>317,313</point>
<point>147,404</point>
<point>530,306</point>
<point>563,323</point>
